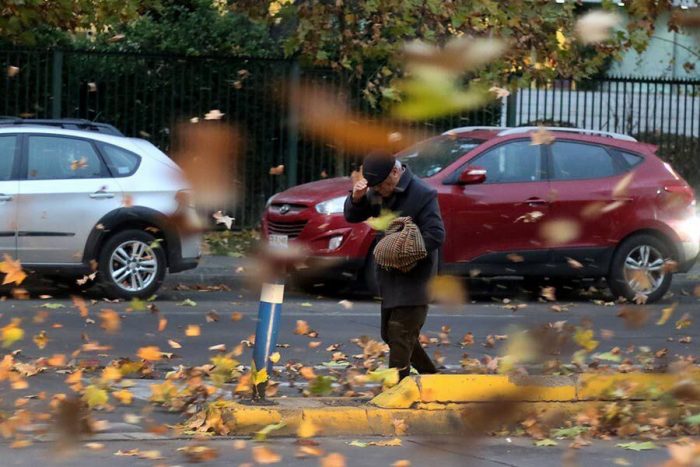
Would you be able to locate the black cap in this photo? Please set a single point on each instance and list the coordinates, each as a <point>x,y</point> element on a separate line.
<point>376,167</point>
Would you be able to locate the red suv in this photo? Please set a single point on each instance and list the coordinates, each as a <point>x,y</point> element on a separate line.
<point>589,204</point>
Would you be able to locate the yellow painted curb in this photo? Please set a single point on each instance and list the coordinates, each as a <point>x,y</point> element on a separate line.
<point>643,386</point>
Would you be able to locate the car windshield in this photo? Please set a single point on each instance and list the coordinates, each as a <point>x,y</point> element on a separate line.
<point>429,157</point>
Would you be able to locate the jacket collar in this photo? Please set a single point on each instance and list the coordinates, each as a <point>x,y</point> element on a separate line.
<point>405,180</point>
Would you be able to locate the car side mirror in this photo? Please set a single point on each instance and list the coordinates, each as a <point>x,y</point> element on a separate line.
<point>472,175</point>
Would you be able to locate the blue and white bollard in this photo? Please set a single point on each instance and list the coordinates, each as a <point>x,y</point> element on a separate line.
<point>269,312</point>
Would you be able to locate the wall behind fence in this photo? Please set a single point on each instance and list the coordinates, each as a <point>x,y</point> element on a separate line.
<point>145,95</point>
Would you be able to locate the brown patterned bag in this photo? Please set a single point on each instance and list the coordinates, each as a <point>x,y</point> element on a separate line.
<point>402,246</point>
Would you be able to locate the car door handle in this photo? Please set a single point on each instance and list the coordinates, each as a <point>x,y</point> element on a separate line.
<point>101,195</point>
<point>5,197</point>
<point>535,201</point>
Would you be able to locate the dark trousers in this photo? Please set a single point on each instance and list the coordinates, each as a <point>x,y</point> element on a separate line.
<point>400,329</point>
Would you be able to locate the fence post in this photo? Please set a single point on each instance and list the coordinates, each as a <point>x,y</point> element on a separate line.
<point>293,126</point>
<point>511,109</point>
<point>56,83</point>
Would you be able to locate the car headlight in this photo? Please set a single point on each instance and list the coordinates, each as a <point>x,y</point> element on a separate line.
<point>331,206</point>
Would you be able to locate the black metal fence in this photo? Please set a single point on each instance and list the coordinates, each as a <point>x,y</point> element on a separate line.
<point>665,112</point>
<point>145,95</point>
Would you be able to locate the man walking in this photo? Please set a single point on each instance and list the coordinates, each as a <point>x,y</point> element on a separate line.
<point>388,184</point>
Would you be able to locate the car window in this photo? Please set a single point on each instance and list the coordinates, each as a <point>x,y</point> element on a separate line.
<point>572,161</point>
<point>57,158</point>
<point>8,146</point>
<point>518,161</point>
<point>429,157</point>
<point>121,162</point>
<point>632,159</point>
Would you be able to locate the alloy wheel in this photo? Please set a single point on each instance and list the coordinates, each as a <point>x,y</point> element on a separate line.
<point>133,266</point>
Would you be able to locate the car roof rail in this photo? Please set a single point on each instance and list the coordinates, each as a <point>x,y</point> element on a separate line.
<point>65,123</point>
<point>525,129</point>
<point>464,129</point>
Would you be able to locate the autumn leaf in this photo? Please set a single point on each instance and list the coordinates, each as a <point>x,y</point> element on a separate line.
<point>382,222</point>
<point>187,302</point>
<point>541,136</point>
<point>111,322</point>
<point>334,459</point>
<point>11,333</point>
<point>41,339</point>
<point>162,323</point>
<point>192,330</point>
<point>95,396</point>
<point>111,374</point>
<point>199,453</point>
<point>596,26</point>
<point>278,170</point>
<point>12,71</point>
<point>584,338</point>
<point>124,396</point>
<point>174,344</point>
<point>545,442</point>
<point>220,218</point>
<point>264,455</point>
<point>666,313</point>
<point>307,429</point>
<point>214,114</point>
<point>559,231</point>
<point>620,188</point>
<point>499,92</point>
<point>150,353</point>
<point>12,270</point>
<point>78,164</point>
<point>637,446</point>
<point>275,357</point>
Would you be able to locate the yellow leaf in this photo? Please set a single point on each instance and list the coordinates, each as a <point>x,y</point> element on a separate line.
<point>95,396</point>
<point>307,429</point>
<point>151,353</point>
<point>541,136</point>
<point>174,344</point>
<point>162,323</point>
<point>11,333</point>
<point>80,304</point>
<point>562,41</point>
<point>275,357</point>
<point>41,339</point>
<point>584,338</point>
<point>666,314</point>
<point>260,376</point>
<point>334,459</point>
<point>123,396</point>
<point>382,222</point>
<point>192,330</point>
<point>111,322</point>
<point>12,270</point>
<point>263,455</point>
<point>110,374</point>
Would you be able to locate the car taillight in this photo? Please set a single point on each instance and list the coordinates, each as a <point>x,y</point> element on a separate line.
<point>678,196</point>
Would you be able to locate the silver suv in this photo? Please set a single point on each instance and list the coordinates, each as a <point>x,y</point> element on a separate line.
<point>79,198</point>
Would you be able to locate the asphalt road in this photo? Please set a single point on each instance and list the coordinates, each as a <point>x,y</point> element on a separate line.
<point>336,324</point>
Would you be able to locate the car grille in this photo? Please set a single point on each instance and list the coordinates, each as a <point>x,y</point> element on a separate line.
<point>291,229</point>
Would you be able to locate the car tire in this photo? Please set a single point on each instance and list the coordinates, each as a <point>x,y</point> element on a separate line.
<point>146,263</point>
<point>369,276</point>
<point>630,257</point>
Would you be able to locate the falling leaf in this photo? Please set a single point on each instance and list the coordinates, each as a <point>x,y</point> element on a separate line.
<point>307,372</point>
<point>382,222</point>
<point>192,330</point>
<point>448,290</point>
<point>635,317</point>
<point>187,302</point>
<point>499,92</point>
<point>279,170</point>
<point>402,463</point>
<point>584,338</point>
<point>546,442</point>
<point>78,164</point>
<point>116,38</point>
<point>12,270</point>
<point>530,217</point>
<point>559,231</point>
<point>199,453</point>
<point>220,218</point>
<point>111,374</point>
<point>345,304</point>
<point>92,87</point>
<point>621,186</point>
<point>264,455</point>
<point>111,322</point>
<point>95,396</point>
<point>94,446</point>
<point>684,322</point>
<point>214,114</point>
<point>124,396</point>
<point>41,340</point>
<point>307,429</point>
<point>261,435</point>
<point>162,323</point>
<point>666,313</point>
<point>218,348</point>
<point>150,353</point>
<point>302,327</point>
<point>236,316</point>
<point>275,357</point>
<point>637,446</point>
<point>11,333</point>
<point>174,344</point>
<point>515,258</point>
<point>12,71</point>
<point>541,136</point>
<point>573,263</point>
<point>596,26</point>
<point>468,339</point>
<point>334,459</point>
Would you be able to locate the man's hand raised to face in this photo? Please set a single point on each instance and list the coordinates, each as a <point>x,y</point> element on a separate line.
<point>359,190</point>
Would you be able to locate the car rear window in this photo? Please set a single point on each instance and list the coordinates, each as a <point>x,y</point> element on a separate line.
<point>631,159</point>
<point>429,157</point>
<point>121,162</point>
<point>574,161</point>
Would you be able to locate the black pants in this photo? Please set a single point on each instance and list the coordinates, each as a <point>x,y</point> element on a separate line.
<point>400,329</point>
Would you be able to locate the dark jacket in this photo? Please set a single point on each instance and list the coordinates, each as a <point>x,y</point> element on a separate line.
<point>412,197</point>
